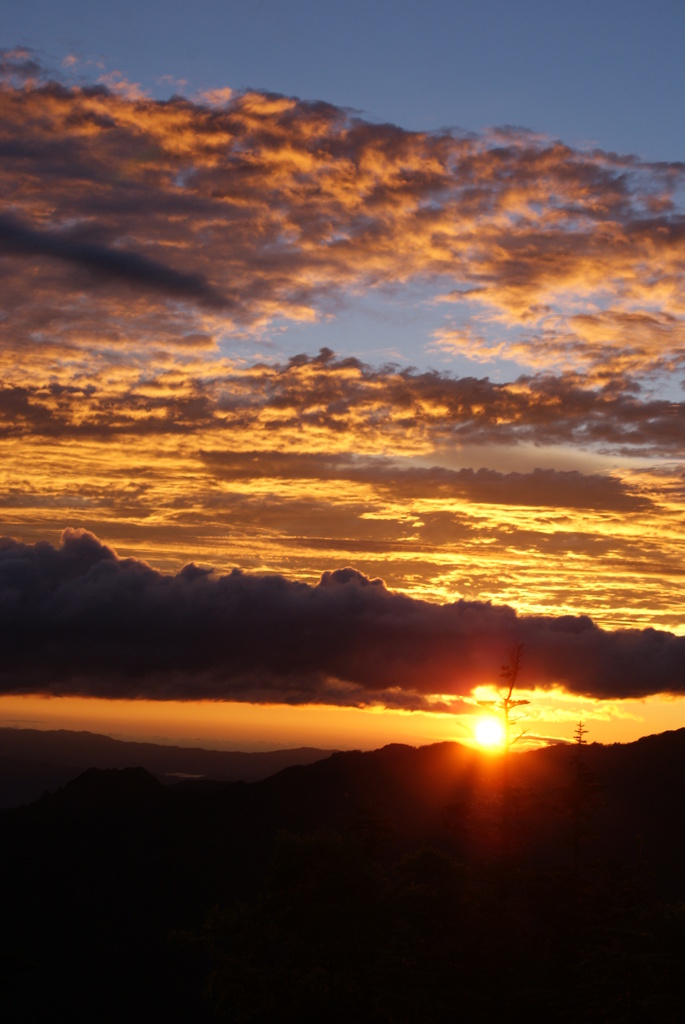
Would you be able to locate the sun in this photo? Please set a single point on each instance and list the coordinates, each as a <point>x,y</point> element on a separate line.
<point>489,733</point>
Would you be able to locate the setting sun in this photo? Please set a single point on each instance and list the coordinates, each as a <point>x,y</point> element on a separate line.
<point>489,733</point>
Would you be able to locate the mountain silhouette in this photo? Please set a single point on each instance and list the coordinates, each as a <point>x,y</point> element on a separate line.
<point>357,888</point>
<point>33,760</point>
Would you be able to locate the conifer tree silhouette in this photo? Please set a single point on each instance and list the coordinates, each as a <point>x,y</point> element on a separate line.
<point>505,705</point>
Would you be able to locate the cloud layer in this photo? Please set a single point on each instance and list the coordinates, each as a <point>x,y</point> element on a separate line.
<point>345,399</point>
<point>150,252</point>
<point>266,206</point>
<point>78,620</point>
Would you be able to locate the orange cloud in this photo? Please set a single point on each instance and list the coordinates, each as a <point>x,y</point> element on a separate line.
<point>323,461</point>
<point>140,238</point>
<point>268,206</point>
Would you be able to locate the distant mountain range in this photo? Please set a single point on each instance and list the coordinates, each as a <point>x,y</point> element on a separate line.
<point>35,760</point>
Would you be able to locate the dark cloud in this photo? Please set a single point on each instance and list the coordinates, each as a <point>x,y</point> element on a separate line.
<point>539,488</point>
<point>20,64</point>
<point>77,620</point>
<point>18,239</point>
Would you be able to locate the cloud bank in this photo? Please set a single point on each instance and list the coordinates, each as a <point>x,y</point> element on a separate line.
<point>79,620</point>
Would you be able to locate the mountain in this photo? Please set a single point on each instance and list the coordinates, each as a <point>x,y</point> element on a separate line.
<point>35,760</point>
<point>367,886</point>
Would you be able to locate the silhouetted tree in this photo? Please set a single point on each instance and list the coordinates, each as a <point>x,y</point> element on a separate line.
<point>506,702</point>
<point>583,794</point>
<point>505,705</point>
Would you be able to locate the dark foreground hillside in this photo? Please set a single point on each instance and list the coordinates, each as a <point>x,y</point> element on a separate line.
<point>403,885</point>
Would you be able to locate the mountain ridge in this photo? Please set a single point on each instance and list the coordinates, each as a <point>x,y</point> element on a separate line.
<point>434,856</point>
<point>35,760</point>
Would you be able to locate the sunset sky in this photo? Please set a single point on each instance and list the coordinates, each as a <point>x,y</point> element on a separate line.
<point>343,347</point>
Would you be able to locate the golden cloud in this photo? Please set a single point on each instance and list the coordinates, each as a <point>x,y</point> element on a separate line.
<point>139,237</point>
<point>266,206</point>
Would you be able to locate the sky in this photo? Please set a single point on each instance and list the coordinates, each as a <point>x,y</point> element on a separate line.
<point>343,349</point>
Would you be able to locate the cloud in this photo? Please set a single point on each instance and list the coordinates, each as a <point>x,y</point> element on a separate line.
<point>281,207</point>
<point>131,268</point>
<point>19,65</point>
<point>539,488</point>
<point>148,244</point>
<point>605,345</point>
<point>79,620</point>
<point>322,461</point>
<point>340,405</point>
